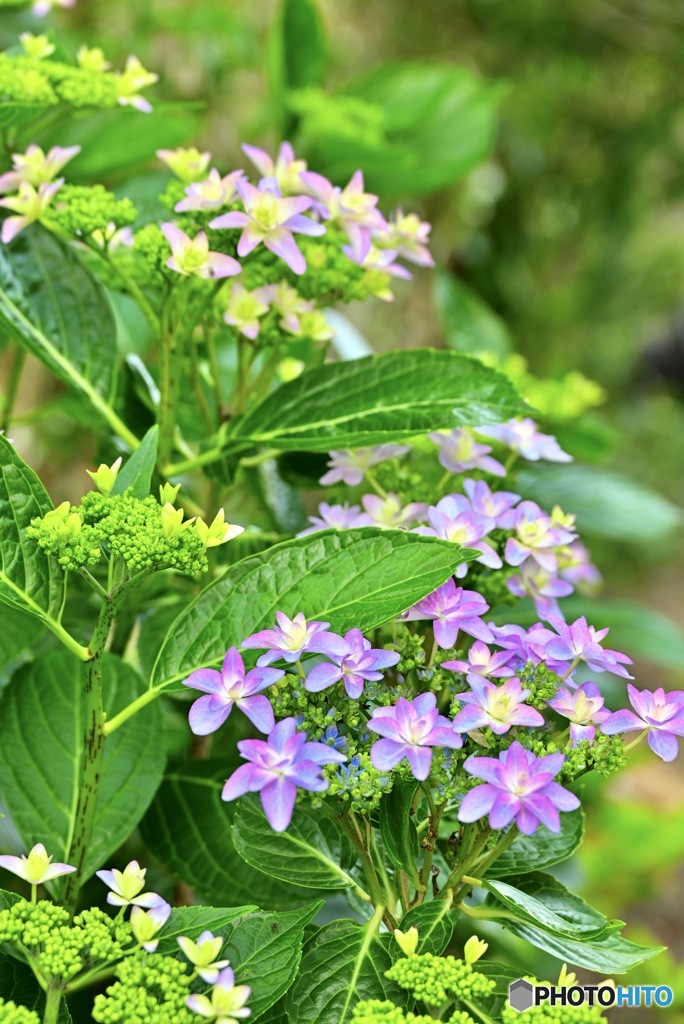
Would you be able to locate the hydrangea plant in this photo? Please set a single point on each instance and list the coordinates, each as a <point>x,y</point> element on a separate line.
<point>276,715</point>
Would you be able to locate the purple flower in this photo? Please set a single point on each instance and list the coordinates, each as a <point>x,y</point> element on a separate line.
<point>210,194</point>
<point>277,767</point>
<point>227,1002</point>
<point>543,587</point>
<point>337,517</point>
<point>357,664</point>
<point>286,169</point>
<point>452,519</point>
<point>522,436</point>
<point>291,638</point>
<point>459,451</point>
<point>495,505</point>
<point>584,709</point>
<point>482,662</point>
<point>270,219</point>
<point>580,642</point>
<point>231,686</point>
<point>452,609</point>
<point>381,260</point>
<point>351,466</point>
<point>526,645</point>
<point>191,256</point>
<point>659,712</point>
<point>517,785</point>
<point>499,707</point>
<point>352,208</point>
<point>409,730</point>
<point>537,535</point>
<point>408,236</point>
<point>388,513</point>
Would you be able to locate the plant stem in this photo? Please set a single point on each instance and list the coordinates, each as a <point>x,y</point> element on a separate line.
<point>53,999</point>
<point>93,750</point>
<point>18,360</point>
<point>170,386</point>
<point>112,724</point>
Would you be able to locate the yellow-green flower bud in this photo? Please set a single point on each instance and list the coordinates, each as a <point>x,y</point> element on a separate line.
<point>474,949</point>
<point>104,478</point>
<point>408,941</point>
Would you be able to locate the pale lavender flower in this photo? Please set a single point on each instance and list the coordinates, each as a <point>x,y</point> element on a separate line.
<point>659,712</point>
<point>211,194</point>
<point>575,566</point>
<point>36,867</point>
<point>584,709</point>
<point>231,686</point>
<point>145,924</point>
<point>542,586</point>
<point>270,219</point>
<point>204,955</point>
<point>42,7</point>
<point>483,662</point>
<point>130,81</point>
<point>408,236</point>
<point>36,167</point>
<point>452,519</point>
<point>357,664</point>
<point>409,730</point>
<point>336,517</point>
<point>191,257</point>
<point>127,887</point>
<point>526,645</point>
<point>381,260</point>
<point>523,437</point>
<point>227,1001</point>
<point>537,536</point>
<point>287,301</point>
<point>494,505</point>
<point>351,207</point>
<point>517,786</point>
<point>277,767</point>
<point>580,642</point>
<point>245,309</point>
<point>286,169</point>
<point>459,452</point>
<point>452,609</point>
<point>351,466</point>
<point>293,637</point>
<point>389,514</point>
<point>498,707</point>
<point>29,204</point>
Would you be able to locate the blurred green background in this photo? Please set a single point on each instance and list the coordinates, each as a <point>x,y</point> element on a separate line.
<point>545,142</point>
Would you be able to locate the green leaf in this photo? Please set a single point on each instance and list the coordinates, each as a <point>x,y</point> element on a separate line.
<point>390,397</point>
<point>313,851</point>
<point>343,963</point>
<point>397,828</point>
<point>138,469</point>
<point>53,307</point>
<point>298,50</point>
<point>189,829</point>
<point>468,323</point>
<point>266,951</point>
<point>589,940</point>
<point>19,638</point>
<point>41,746</point>
<point>350,578</point>
<point>14,114</point>
<point>434,925</point>
<point>502,975</point>
<point>192,921</point>
<point>606,503</point>
<point>542,849</point>
<point>18,984</point>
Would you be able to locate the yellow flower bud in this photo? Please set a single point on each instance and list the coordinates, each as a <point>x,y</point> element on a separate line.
<point>172,521</point>
<point>408,941</point>
<point>474,949</point>
<point>104,477</point>
<point>219,532</point>
<point>168,493</point>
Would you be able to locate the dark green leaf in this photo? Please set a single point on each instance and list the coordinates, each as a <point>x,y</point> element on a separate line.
<point>502,975</point>
<point>540,850</point>
<point>381,398</point>
<point>189,828</point>
<point>312,852</point>
<point>18,984</point>
<point>344,963</point>
<point>139,467</point>
<point>298,51</point>
<point>192,921</point>
<point>41,745</point>
<point>543,901</point>
<point>349,578</point>
<point>397,828</point>
<point>468,323</point>
<point>434,925</point>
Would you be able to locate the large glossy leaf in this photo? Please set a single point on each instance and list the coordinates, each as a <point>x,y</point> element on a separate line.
<point>18,984</point>
<point>540,850</point>
<point>434,925</point>
<point>192,921</point>
<point>344,963</point>
<point>189,829</point>
<point>313,851</point>
<point>397,828</point>
<point>52,306</point>
<point>390,397</point>
<point>41,747</point>
<point>584,937</point>
<point>349,578</point>
<point>137,472</point>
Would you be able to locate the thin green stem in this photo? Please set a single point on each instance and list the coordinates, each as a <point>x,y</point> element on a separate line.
<point>95,584</point>
<point>13,381</point>
<point>635,742</point>
<point>503,844</point>
<point>202,459</point>
<point>474,842</point>
<point>34,893</point>
<point>112,724</point>
<point>210,343</point>
<point>169,384</point>
<point>53,999</point>
<point>197,384</point>
<point>372,480</point>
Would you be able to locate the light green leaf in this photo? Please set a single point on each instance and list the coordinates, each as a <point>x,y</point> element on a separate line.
<point>381,398</point>
<point>350,578</point>
<point>344,963</point>
<point>189,829</point>
<point>18,984</point>
<point>41,746</point>
<point>434,925</point>
<point>53,307</point>
<point>542,849</point>
<point>313,851</point>
<point>468,323</point>
<point>397,828</point>
<point>138,469</point>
